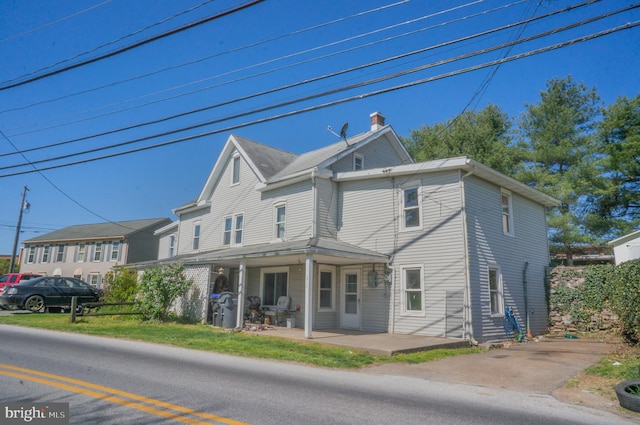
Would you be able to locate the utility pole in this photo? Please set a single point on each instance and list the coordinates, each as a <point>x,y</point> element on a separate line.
<point>15,240</point>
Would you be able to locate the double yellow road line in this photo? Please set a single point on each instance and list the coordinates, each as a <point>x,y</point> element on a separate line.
<point>112,395</point>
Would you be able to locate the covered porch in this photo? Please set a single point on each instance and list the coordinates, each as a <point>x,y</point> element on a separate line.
<point>330,284</point>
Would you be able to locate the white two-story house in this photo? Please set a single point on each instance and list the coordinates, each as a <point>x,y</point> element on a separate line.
<point>361,237</point>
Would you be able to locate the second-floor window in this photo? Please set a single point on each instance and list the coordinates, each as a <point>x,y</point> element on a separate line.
<point>196,236</point>
<point>60,256</point>
<point>233,227</point>
<point>238,229</point>
<point>46,253</point>
<point>97,251</point>
<point>411,208</point>
<point>81,253</point>
<point>507,215</point>
<point>115,251</point>
<point>280,218</point>
<point>31,255</point>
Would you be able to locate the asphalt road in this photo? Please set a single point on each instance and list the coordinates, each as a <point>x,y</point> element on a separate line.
<point>109,381</point>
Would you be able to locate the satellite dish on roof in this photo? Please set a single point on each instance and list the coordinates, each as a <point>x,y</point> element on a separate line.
<point>343,131</point>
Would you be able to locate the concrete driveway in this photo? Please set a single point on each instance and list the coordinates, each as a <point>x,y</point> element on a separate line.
<point>534,367</point>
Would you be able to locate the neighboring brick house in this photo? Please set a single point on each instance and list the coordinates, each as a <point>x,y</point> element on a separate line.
<point>88,251</point>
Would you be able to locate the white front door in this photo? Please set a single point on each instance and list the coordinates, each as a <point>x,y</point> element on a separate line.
<point>350,305</point>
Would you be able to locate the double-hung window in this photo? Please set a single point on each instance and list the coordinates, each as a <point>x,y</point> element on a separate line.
<point>60,255</point>
<point>411,208</point>
<point>413,290</point>
<point>81,252</point>
<point>31,255</point>
<point>232,232</point>
<point>97,252</point>
<point>46,253</point>
<point>358,161</point>
<point>115,251</point>
<point>196,236</point>
<point>280,218</point>
<point>274,284</point>
<point>507,212</point>
<point>496,300</point>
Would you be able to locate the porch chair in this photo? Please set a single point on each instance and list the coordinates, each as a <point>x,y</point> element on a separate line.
<point>280,312</point>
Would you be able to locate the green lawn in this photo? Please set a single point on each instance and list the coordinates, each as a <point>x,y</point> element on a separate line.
<point>207,338</point>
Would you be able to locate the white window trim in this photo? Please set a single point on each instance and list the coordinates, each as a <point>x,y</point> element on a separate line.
<point>235,157</point>
<point>30,258</point>
<point>81,254</point>
<point>266,270</point>
<point>172,245</point>
<point>333,271</point>
<point>196,225</point>
<point>95,249</point>
<point>46,250</point>
<point>403,289</point>
<point>409,186</point>
<point>224,230</point>
<point>60,249</point>
<point>235,230</point>
<point>275,221</point>
<point>116,247</point>
<point>499,289</point>
<point>511,232</point>
<point>357,156</point>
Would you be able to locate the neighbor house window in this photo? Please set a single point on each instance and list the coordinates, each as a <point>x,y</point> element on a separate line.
<point>115,251</point>
<point>172,245</point>
<point>358,161</point>
<point>326,289</point>
<point>507,213</point>
<point>413,289</point>
<point>235,178</point>
<point>97,251</point>
<point>274,284</point>
<point>411,208</point>
<point>280,216</point>
<point>60,256</point>
<point>94,279</point>
<point>196,236</point>
<point>495,291</point>
<point>81,253</point>
<point>31,255</point>
<point>46,253</point>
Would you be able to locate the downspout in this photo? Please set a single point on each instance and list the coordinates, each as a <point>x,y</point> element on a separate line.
<point>314,200</point>
<point>526,299</point>
<point>468,310</point>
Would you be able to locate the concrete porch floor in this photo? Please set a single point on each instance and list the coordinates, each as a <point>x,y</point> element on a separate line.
<point>375,343</point>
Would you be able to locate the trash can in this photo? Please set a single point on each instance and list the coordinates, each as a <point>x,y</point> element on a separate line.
<point>228,302</point>
<point>216,310</point>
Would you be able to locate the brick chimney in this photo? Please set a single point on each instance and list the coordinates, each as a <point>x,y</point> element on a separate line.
<point>377,121</point>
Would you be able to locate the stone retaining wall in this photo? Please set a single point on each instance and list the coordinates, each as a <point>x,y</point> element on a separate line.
<point>561,321</point>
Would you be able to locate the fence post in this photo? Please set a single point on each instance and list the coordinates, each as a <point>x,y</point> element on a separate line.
<point>74,306</point>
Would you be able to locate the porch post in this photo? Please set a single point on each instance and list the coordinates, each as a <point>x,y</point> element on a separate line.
<point>308,296</point>
<point>242,276</point>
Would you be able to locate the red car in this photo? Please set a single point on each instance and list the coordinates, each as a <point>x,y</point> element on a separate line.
<point>13,278</point>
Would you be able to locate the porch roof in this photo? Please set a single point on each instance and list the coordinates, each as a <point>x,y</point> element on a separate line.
<point>326,250</point>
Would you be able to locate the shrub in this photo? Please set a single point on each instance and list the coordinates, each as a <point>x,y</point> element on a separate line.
<point>121,285</point>
<point>625,298</point>
<point>159,288</point>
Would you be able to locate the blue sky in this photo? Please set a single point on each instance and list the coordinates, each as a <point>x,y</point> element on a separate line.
<point>269,45</point>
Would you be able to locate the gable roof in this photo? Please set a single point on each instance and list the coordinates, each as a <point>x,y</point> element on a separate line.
<point>121,229</point>
<point>626,238</point>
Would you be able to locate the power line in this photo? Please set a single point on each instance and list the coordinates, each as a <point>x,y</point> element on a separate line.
<point>352,98</point>
<point>8,84</point>
<point>273,90</point>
